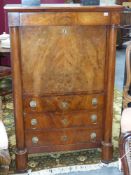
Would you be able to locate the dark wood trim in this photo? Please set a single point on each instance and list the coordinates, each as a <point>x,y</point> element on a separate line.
<point>18,104</point>
<point>107,147</point>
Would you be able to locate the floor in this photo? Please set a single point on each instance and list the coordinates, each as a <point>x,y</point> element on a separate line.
<point>103,171</point>
<point>93,169</point>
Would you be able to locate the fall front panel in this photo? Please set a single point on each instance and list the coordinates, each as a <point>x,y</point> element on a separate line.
<point>63,59</point>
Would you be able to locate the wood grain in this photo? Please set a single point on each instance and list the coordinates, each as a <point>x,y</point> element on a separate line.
<point>55,103</point>
<point>107,140</point>
<point>21,152</point>
<point>47,67</point>
<point>65,18</point>
<point>63,57</point>
<point>69,120</point>
<point>55,137</point>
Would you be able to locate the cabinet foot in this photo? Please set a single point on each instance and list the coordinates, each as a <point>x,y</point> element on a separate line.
<point>107,152</point>
<point>21,161</point>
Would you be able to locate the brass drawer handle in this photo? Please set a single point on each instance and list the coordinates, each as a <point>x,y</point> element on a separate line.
<point>64,105</point>
<point>35,140</point>
<point>93,136</point>
<point>94,101</point>
<point>94,118</point>
<point>34,122</point>
<point>33,104</point>
<point>64,138</point>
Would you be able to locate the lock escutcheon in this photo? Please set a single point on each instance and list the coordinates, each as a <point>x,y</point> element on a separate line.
<point>64,31</point>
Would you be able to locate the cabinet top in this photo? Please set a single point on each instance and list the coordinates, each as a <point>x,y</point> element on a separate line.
<point>62,8</point>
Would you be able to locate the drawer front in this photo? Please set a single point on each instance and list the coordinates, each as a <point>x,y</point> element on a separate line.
<point>62,137</point>
<point>63,103</point>
<point>65,18</point>
<point>74,119</point>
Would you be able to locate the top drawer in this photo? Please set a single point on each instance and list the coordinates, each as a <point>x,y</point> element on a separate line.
<point>63,103</point>
<point>69,18</point>
<point>65,18</point>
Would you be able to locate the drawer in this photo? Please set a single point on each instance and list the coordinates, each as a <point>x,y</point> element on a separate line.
<point>62,137</point>
<point>65,18</point>
<point>63,103</point>
<point>73,119</point>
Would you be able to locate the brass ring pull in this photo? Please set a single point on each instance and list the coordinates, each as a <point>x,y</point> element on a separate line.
<point>64,105</point>
<point>35,140</point>
<point>94,118</point>
<point>94,101</point>
<point>93,136</point>
<point>33,104</point>
<point>34,122</point>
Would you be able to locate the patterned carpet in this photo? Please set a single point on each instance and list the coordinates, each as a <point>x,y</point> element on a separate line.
<point>42,161</point>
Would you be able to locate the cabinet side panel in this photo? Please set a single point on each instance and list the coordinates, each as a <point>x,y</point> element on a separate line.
<point>63,59</point>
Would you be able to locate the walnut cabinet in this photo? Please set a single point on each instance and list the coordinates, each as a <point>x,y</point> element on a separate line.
<point>63,64</point>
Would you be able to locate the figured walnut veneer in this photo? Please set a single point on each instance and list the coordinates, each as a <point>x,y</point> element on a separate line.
<point>55,103</point>
<point>73,69</point>
<point>50,120</point>
<point>59,138</point>
<point>63,65</point>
